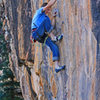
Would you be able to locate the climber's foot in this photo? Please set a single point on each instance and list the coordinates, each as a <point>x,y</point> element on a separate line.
<point>59,37</point>
<point>60,68</point>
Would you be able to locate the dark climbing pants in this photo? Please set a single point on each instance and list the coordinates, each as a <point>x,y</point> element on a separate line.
<point>54,48</point>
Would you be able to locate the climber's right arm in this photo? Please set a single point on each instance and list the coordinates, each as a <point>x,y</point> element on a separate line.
<point>50,4</point>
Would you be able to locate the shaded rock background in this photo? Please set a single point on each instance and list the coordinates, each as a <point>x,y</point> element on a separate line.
<point>33,66</point>
<point>96,30</point>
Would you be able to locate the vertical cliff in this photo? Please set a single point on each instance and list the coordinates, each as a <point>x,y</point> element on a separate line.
<point>33,66</point>
<point>95,5</point>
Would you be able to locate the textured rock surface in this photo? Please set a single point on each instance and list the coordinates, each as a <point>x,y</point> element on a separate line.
<point>96,30</point>
<point>78,51</point>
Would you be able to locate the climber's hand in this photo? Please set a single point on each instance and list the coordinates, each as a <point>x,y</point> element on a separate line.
<point>54,12</point>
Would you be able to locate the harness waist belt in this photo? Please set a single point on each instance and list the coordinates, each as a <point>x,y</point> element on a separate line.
<point>34,29</point>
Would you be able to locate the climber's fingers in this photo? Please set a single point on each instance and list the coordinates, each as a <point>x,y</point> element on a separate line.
<point>54,12</point>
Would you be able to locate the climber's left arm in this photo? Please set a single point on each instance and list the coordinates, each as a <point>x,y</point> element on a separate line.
<point>50,4</point>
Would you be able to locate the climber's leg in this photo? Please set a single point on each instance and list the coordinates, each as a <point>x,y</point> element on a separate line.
<point>55,50</point>
<point>56,38</point>
<point>49,30</point>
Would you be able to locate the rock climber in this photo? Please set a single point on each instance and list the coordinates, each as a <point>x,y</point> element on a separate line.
<point>42,31</point>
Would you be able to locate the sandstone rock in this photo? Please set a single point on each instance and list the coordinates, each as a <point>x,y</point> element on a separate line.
<point>77,51</point>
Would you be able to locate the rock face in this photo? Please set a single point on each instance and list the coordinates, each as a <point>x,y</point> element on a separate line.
<point>96,30</point>
<point>39,81</point>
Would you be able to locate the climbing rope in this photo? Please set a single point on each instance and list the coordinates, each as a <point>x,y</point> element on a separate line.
<point>45,41</point>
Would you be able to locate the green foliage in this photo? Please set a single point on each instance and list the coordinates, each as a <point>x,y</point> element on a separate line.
<point>9,98</point>
<point>8,87</point>
<point>1,24</point>
<point>5,77</point>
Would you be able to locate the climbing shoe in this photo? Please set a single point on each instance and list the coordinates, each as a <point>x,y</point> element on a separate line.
<point>60,68</point>
<point>59,37</point>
